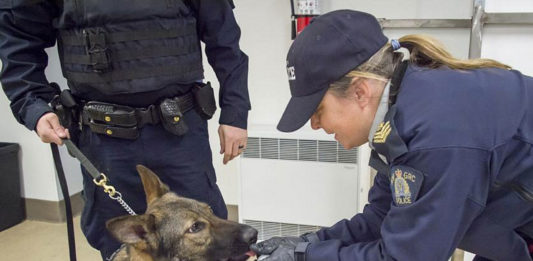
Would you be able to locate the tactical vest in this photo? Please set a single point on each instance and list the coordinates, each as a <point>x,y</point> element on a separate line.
<point>129,46</point>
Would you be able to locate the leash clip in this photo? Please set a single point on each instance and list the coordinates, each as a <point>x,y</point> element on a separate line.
<point>103,183</point>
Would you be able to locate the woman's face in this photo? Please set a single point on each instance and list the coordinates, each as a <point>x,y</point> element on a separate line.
<point>349,118</point>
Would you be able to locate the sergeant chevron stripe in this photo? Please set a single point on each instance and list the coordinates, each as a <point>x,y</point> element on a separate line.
<point>382,133</point>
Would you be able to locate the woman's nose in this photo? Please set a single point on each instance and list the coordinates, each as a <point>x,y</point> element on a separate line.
<point>314,123</point>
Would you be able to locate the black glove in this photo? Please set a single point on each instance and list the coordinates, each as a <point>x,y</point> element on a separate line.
<point>278,248</point>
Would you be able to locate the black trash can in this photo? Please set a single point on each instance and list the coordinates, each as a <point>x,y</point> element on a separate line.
<point>12,206</point>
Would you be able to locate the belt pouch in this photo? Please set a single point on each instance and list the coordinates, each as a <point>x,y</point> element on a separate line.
<point>172,117</point>
<point>204,98</point>
<point>111,114</point>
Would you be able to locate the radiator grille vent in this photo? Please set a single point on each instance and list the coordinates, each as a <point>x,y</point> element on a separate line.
<point>272,229</point>
<point>252,148</point>
<point>327,151</point>
<point>308,150</point>
<point>288,149</point>
<point>269,148</point>
<point>302,150</point>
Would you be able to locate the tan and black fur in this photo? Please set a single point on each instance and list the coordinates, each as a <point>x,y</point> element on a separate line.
<point>177,229</point>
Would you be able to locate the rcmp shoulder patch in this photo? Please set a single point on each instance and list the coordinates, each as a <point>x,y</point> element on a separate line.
<point>405,183</point>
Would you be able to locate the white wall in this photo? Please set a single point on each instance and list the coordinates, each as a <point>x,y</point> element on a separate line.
<point>37,166</point>
<point>265,27</point>
<point>510,44</point>
<point>508,6</point>
<point>405,9</point>
<point>38,172</point>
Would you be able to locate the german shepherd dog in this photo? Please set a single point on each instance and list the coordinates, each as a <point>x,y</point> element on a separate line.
<point>174,228</point>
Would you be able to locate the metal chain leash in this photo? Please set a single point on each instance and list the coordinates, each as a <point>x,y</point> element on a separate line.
<point>100,179</point>
<point>113,193</point>
<point>125,205</point>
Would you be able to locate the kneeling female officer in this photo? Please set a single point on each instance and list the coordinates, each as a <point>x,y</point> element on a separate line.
<point>451,139</point>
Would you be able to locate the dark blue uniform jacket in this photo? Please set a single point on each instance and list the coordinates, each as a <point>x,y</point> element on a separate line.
<point>459,174</point>
<point>30,26</point>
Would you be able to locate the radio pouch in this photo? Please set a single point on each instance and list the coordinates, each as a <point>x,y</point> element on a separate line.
<point>172,117</point>
<point>204,98</point>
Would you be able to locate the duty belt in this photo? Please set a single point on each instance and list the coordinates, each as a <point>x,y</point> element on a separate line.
<point>124,122</point>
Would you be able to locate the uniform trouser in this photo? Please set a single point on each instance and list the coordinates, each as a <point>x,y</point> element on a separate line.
<point>184,163</point>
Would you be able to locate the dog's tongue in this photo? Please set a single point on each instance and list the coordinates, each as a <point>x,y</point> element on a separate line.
<point>243,257</point>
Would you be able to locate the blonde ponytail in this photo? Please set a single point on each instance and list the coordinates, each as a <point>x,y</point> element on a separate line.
<point>424,50</point>
<point>428,52</point>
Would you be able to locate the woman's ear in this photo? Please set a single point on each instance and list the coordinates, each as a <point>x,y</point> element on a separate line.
<point>360,91</point>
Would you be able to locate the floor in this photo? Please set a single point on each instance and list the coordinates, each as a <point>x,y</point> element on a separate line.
<point>44,242</point>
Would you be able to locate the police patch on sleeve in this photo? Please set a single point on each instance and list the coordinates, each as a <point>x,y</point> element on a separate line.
<point>405,184</point>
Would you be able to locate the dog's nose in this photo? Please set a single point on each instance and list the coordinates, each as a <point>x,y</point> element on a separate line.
<point>249,235</point>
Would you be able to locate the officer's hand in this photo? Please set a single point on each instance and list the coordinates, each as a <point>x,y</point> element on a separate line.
<point>278,248</point>
<point>267,247</point>
<point>50,130</point>
<point>232,141</point>
<point>282,253</point>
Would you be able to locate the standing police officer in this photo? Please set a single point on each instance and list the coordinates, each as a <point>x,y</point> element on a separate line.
<point>452,142</point>
<point>134,69</point>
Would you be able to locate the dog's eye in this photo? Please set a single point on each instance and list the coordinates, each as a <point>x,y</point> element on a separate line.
<point>196,227</point>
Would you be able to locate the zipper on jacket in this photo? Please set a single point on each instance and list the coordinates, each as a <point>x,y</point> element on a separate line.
<point>519,188</point>
<point>526,194</point>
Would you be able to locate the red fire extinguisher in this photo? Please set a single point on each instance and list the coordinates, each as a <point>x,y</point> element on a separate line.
<point>301,17</point>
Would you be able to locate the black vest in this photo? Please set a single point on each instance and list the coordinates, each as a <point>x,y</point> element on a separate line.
<point>128,46</point>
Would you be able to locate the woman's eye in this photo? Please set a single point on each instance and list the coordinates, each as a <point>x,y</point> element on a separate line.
<point>196,227</point>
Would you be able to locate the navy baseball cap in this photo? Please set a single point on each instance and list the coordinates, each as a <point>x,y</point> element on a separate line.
<point>332,45</point>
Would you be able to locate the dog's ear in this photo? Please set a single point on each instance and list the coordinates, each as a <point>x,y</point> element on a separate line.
<point>131,229</point>
<point>153,187</point>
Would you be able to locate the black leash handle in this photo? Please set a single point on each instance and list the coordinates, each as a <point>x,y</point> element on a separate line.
<point>82,158</point>
<point>64,188</point>
<point>98,178</point>
<point>66,197</point>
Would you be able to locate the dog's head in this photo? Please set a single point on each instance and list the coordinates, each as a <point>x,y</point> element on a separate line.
<point>176,228</point>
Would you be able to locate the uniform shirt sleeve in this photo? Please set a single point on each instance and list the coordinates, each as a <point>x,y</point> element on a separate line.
<point>453,193</point>
<point>365,226</point>
<point>25,32</point>
<point>220,33</point>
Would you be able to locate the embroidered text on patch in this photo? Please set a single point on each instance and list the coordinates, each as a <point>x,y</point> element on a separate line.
<point>382,133</point>
<point>402,191</point>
